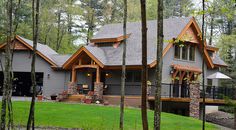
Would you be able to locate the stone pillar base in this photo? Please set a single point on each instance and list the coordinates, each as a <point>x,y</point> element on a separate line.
<point>72,88</point>
<point>194,105</point>
<point>98,91</point>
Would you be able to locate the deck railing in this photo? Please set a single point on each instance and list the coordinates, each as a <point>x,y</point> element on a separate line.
<point>171,90</point>
<point>218,92</point>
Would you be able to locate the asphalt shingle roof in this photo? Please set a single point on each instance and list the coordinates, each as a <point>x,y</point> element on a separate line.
<point>113,56</point>
<point>58,59</point>
<point>218,61</point>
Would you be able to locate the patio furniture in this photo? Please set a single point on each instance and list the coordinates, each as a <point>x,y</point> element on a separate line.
<point>83,89</point>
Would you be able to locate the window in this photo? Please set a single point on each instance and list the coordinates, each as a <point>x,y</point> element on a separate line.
<point>177,52</point>
<point>185,52</point>
<point>192,53</point>
<point>210,53</point>
<point>209,82</point>
<point>133,76</point>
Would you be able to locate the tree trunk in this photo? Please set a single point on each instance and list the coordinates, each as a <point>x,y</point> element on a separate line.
<point>157,109</point>
<point>211,30</point>
<point>144,65</point>
<point>58,30</point>
<point>203,68</point>
<point>7,73</point>
<point>35,17</point>
<point>123,70</point>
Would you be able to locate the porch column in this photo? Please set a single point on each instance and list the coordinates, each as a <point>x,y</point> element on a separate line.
<point>98,86</point>
<point>98,75</point>
<point>194,105</point>
<point>72,85</point>
<point>73,75</point>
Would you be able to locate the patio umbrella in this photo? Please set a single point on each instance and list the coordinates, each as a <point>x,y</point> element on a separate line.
<point>218,75</point>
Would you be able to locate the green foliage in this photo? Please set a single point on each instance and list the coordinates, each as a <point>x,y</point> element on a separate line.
<point>178,8</point>
<point>50,25</point>
<point>227,47</point>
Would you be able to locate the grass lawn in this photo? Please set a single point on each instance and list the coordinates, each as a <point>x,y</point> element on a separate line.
<point>97,117</point>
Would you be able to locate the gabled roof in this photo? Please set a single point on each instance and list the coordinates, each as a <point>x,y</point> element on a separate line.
<point>217,61</point>
<point>44,51</point>
<point>109,56</point>
<point>113,56</point>
<point>90,52</point>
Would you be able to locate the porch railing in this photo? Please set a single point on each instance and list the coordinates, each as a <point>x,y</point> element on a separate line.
<point>168,90</point>
<point>171,90</point>
<point>219,92</point>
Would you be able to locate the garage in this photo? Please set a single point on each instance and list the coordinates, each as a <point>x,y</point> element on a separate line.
<point>22,83</point>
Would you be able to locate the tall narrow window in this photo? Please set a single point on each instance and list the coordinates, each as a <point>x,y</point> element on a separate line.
<point>192,53</point>
<point>185,52</point>
<point>177,52</point>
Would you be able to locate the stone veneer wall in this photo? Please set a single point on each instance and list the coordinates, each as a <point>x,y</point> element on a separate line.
<point>72,88</point>
<point>98,91</point>
<point>194,105</point>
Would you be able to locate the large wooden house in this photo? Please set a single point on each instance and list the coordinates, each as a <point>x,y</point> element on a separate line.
<point>98,65</point>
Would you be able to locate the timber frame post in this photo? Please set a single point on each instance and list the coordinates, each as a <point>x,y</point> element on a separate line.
<point>73,75</point>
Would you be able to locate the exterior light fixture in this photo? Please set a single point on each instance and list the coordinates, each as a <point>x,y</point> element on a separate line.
<point>107,74</point>
<point>48,76</point>
<point>88,74</point>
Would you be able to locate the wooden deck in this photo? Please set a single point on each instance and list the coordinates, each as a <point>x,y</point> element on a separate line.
<point>207,100</point>
<point>136,100</point>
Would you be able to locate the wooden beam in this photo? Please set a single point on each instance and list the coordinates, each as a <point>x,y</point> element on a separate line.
<point>75,56</point>
<point>73,75</point>
<point>80,61</point>
<point>182,76</point>
<point>98,75</point>
<point>190,76</point>
<point>116,39</point>
<point>175,74</point>
<point>86,66</point>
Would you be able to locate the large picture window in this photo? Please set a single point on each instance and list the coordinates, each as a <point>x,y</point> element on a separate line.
<point>186,52</point>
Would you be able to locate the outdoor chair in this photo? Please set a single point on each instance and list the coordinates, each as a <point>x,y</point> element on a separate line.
<point>85,88</point>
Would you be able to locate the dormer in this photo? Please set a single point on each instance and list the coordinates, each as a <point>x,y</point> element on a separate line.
<point>212,50</point>
<point>111,41</point>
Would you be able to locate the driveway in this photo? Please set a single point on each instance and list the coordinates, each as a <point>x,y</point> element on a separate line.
<point>16,98</point>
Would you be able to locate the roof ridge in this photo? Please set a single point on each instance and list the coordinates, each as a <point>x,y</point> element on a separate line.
<point>133,22</point>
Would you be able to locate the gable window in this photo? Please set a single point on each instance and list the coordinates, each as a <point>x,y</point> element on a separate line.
<point>186,52</point>
<point>210,53</point>
<point>192,53</point>
<point>177,52</point>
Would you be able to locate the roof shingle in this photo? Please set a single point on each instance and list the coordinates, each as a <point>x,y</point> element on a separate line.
<point>113,56</point>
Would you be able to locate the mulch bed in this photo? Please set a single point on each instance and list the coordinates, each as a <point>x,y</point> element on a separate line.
<point>221,118</point>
